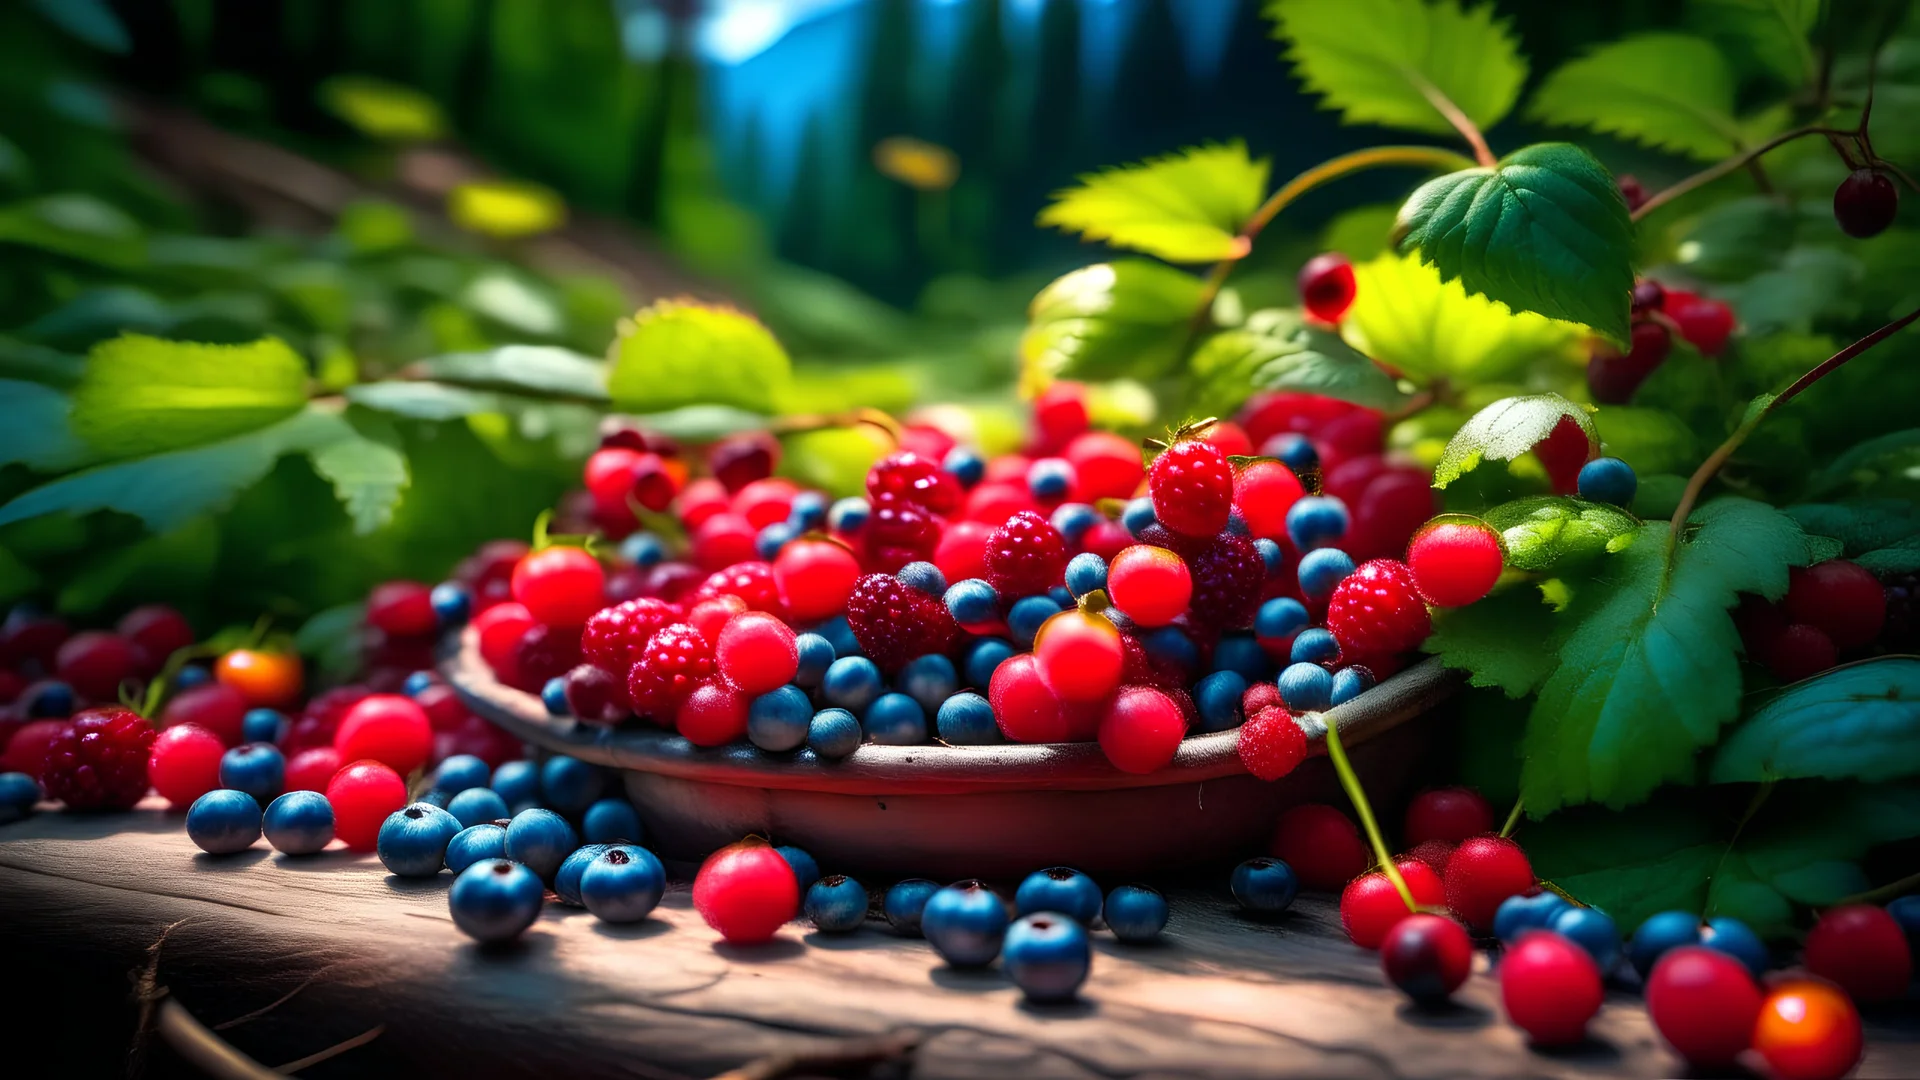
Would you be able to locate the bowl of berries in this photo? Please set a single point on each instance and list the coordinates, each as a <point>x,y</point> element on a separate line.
<point>1074,656</point>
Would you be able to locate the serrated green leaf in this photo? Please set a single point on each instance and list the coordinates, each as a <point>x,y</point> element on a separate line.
<point>1505,430</point>
<point>1861,525</point>
<point>1404,316</point>
<point>77,226</point>
<point>1900,558</point>
<point>1766,35</point>
<point>1858,722</point>
<point>1545,230</point>
<point>1277,349</point>
<point>1649,668</point>
<point>1556,533</point>
<point>367,470</point>
<point>421,400</point>
<point>1377,61</point>
<point>1183,207</point>
<point>1497,640</point>
<point>677,353</point>
<point>1632,863</point>
<point>1672,91</point>
<point>537,370</point>
<point>142,395</point>
<point>34,428</point>
<point>1129,317</point>
<point>1802,849</point>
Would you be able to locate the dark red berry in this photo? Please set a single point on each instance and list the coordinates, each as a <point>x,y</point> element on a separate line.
<point>363,794</point>
<point>895,622</point>
<point>1705,323</point>
<point>1327,287</point>
<point>560,586</point>
<point>1704,1003</point>
<point>1377,610</point>
<point>1563,452</point>
<point>654,482</point>
<point>1843,599</point>
<point>596,695</point>
<point>158,632</point>
<point>1322,845</point>
<point>1427,956</point>
<point>31,638</point>
<point>542,653</point>
<point>899,531</point>
<point>1434,853</point>
<point>1865,202</point>
<point>1863,949</point>
<point>1192,488</point>
<point>1799,652</point>
<point>1482,872</point>
<point>1455,563</point>
<point>752,581</point>
<point>1025,556</point>
<point>739,460</point>
<point>401,608</point>
<point>1227,574</point>
<point>99,760</point>
<point>94,662</point>
<point>1613,377</point>
<point>1631,190</point>
<point>1648,295</point>
<point>1451,814</point>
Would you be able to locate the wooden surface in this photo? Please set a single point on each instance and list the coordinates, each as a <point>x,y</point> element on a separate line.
<point>1224,996</point>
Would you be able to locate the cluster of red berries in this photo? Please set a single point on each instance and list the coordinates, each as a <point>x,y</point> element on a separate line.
<point>1833,610</point>
<point>1659,312</point>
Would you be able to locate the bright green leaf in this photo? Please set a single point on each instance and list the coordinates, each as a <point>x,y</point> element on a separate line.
<point>1858,722</point>
<point>1556,533</point>
<point>678,353</point>
<point>1404,316</point>
<point>142,395</point>
<point>1379,61</point>
<point>1546,230</point>
<point>35,429</point>
<point>1671,91</point>
<point>835,460</point>
<point>1277,349</point>
<point>1129,317</point>
<point>1767,35</point>
<point>367,470</point>
<point>538,370</point>
<point>77,226</point>
<point>1505,430</point>
<point>1497,640</point>
<point>507,209</point>
<point>1183,207</point>
<point>1361,233</point>
<point>511,301</point>
<point>421,400</point>
<point>1651,440</point>
<point>381,109</point>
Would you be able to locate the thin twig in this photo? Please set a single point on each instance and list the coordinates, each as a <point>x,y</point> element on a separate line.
<point>864,1050</point>
<point>1884,893</point>
<point>1715,171</point>
<point>335,1050</point>
<point>1513,819</point>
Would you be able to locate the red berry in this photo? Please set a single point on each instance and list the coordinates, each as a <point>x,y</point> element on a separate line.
<point>94,662</point>
<point>1865,202</point>
<point>700,500</point>
<point>1843,599</point>
<point>184,763</point>
<point>752,581</point>
<point>500,629</point>
<point>757,653</point>
<point>481,739</point>
<point>1263,492</point>
<point>1427,956</point>
<point>608,476</point>
<point>1798,652</point>
<point>1648,295</point>
<point>1454,563</point>
<point>654,481</point>
<point>1434,853</point>
<point>34,638</point>
<point>402,609</point>
<point>596,695</point>
<point>712,615</point>
<point>671,581</point>
<point>1704,1003</point>
<point>1106,465</point>
<point>962,551</point>
<point>1484,871</point>
<point>1562,453</point>
<point>1259,696</point>
<point>1808,1031</point>
<point>1025,707</point>
<point>387,728</point>
<point>1150,584</point>
<point>746,892</point>
<point>1706,324</point>
<point>814,578</point>
<point>1060,413</point>
<point>542,653</point>
<point>1192,488</point>
<point>312,770</point>
<point>1321,844</point>
<point>1228,573</point>
<point>1613,376</point>
<point>1550,988</point>
<point>219,708</point>
<point>1759,622</point>
<point>722,540</point>
<point>1451,814</point>
<point>739,460</point>
<point>764,502</point>
<point>1861,948</point>
<point>363,794</point>
<point>898,531</point>
<point>1370,905</point>
<point>1080,655</point>
<point>921,481</point>
<point>1377,610</point>
<point>560,586</point>
<point>895,623</point>
<point>1141,730</point>
<point>714,714</point>
<point>158,632</point>
<point>99,760</point>
<point>1631,190</point>
<point>1327,287</point>
<point>674,662</point>
<point>613,637</point>
<point>1025,556</point>
<point>1272,743</point>
<point>26,751</point>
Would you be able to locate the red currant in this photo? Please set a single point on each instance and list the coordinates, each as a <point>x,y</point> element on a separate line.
<point>608,475</point>
<point>94,662</point>
<point>815,577</point>
<point>1631,190</point>
<point>1808,1031</point>
<point>1150,584</point>
<point>1451,814</point>
<point>1704,1003</point>
<point>1434,853</point>
<point>654,481</point>
<point>1321,844</point>
<point>1060,413</point>
<point>764,502</point>
<point>402,609</point>
<point>1272,743</point>
<point>722,540</point>
<point>1106,465</point>
<point>962,551</point>
<point>1454,563</point>
<point>560,586</point>
<point>700,500</point>
<point>1229,438</point>
<point>1391,510</point>
<point>1192,488</point>
<point>185,763</point>
<point>26,751</point>
<point>500,629</point>
<point>1141,730</point>
<point>218,708</point>
<point>387,728</point>
<point>1370,905</point>
<point>1843,599</point>
<point>710,616</point>
<point>1648,296</point>
<point>1706,324</point>
<point>158,632</point>
<point>1263,492</point>
<point>1427,956</point>
<point>746,892</point>
<point>1550,988</point>
<point>312,769</point>
<point>757,653</point>
<point>1863,949</point>
<point>714,714</point>
<point>363,794</point>
<point>1563,452</point>
<point>1483,871</point>
<point>1865,203</point>
<point>1327,287</point>
<point>1025,707</point>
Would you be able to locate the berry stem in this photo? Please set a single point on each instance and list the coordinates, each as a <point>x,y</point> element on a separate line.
<point>1468,130</point>
<point>1733,164</point>
<point>1882,894</point>
<point>1513,819</point>
<point>1351,782</point>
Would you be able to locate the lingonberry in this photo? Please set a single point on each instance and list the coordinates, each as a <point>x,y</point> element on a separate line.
<point>1483,871</point>
<point>1141,730</point>
<point>714,714</point>
<point>298,823</point>
<point>1435,853</point>
<point>494,901</point>
<point>312,769</point>
<point>1025,707</point>
<point>1327,287</point>
<point>362,794</point>
<point>965,923</point>
<point>700,501</point>
<point>1427,957</point>
<point>895,623</point>
<point>1608,480</point>
<point>1807,1030</point>
<point>915,478</point>
<point>1454,563</point>
<point>1105,465</point>
<point>1152,585</point>
<point>1451,814</point>
<point>1264,885</point>
<point>653,481</point>
<point>1865,203</point>
<point>1263,493</point>
<point>388,728</point>
<point>1025,555</point>
<point>184,763</point>
<point>1648,296</point>
<point>98,761</point>
<point>1862,949</point>
<point>1843,599</point>
<point>1080,655</point>
<point>94,662</point>
<point>1191,485</point>
<point>1135,913</point>
<point>157,632</point>
<point>1799,651</point>
<point>1321,844</point>
<point>223,822</point>
<point>746,892</point>
<point>1377,610</point>
<point>1704,1004</point>
<point>1370,905</point>
<point>1549,988</point>
<point>1047,956</point>
<point>1703,322</point>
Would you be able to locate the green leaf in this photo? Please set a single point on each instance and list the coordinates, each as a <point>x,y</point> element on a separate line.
<point>332,639</point>
<point>1361,233</point>
<point>678,353</point>
<point>1651,440</point>
<point>1801,850</point>
<point>1861,525</point>
<point>1544,230</point>
<point>1379,61</point>
<point>1129,317</point>
<point>1497,640</point>
<point>1766,35</point>
<point>367,470</point>
<point>35,429</point>
<point>1870,462</point>
<point>1404,316</point>
<point>1632,863</point>
<point>91,21</point>
<point>421,400</point>
<point>1277,349</point>
<point>176,564</point>
<point>506,209</point>
<point>1736,239</point>
<point>1900,558</point>
<point>382,110</point>
<point>1649,668</point>
<point>834,459</point>
<point>537,370</point>
<point>77,226</point>
<point>141,395</point>
<point>1549,533</point>
<point>1505,430</point>
<point>1810,283</point>
<point>1858,722</point>
<point>28,362</point>
<point>1672,91</point>
<point>1183,207</point>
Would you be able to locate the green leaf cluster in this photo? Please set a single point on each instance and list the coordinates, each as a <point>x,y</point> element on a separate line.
<point>1184,207</point>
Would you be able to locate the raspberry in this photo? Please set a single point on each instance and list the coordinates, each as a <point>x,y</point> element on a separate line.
<point>1613,376</point>
<point>99,760</point>
<point>750,581</point>
<point>899,531</point>
<point>1261,695</point>
<point>1322,845</point>
<point>1865,202</point>
<point>1484,871</point>
<point>916,479</point>
<point>1192,488</point>
<point>1842,599</point>
<point>677,659</point>
<point>613,637</point>
<point>1025,556</point>
<point>1454,563</point>
<point>1327,287</point>
<point>542,653</point>
<point>1227,576</point>
<point>895,622</point>
<point>1272,743</point>
<point>1376,610</point>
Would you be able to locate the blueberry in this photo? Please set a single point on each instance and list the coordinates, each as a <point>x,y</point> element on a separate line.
<point>1170,646</point>
<point>611,821</point>
<point>836,904</point>
<point>1264,886</point>
<point>848,515</point>
<point>414,683</point>
<point>266,725</point>
<point>567,784</point>
<point>566,880</point>
<point>1280,617</point>
<point>1243,654</point>
<point>540,839</point>
<point>772,538</point>
<point>965,923</point>
<point>1306,688</point>
<point>1026,615</point>
<point>1135,913</point>
<point>643,549</point>
<point>224,821</point>
<point>1061,890</point>
<point>474,843</point>
<point>1608,480</point>
<point>1316,521</point>
<point>495,900</point>
<point>805,870</point>
<point>929,680</point>
<point>839,633</point>
<point>451,603</point>
<point>517,782</point>
<point>259,769</point>
<point>460,772</point>
<point>816,656</point>
<point>623,885</point>
<point>52,700</point>
<point>554,696</point>
<point>777,720</point>
<point>895,720</point>
<point>1518,914</point>
<point>1349,683</point>
<point>972,603</point>
<point>1061,595</point>
<point>1047,956</point>
<point>834,733</point>
<point>1667,930</point>
<point>1218,698</point>
<point>413,840</point>
<point>436,797</point>
<point>984,657</point>
<point>1315,645</point>
<point>1271,555</point>
<point>852,683</point>
<point>18,794</point>
<point>807,511</point>
<point>1321,569</point>
<point>1591,930</point>
<point>1072,520</point>
<point>1085,573</point>
<point>1138,515</point>
<point>966,465</point>
<point>299,823</point>
<point>190,676</point>
<point>1295,450</point>
<point>1737,939</point>
<point>905,902</point>
<point>966,719</point>
<point>923,576</point>
<point>477,804</point>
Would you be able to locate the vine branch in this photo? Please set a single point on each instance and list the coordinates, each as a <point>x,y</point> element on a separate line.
<point>1733,164</point>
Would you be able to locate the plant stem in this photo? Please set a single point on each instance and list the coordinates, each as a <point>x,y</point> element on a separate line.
<point>1882,894</point>
<point>1513,819</point>
<point>1698,481</point>
<point>1738,161</point>
<point>1351,782</point>
<point>1467,128</point>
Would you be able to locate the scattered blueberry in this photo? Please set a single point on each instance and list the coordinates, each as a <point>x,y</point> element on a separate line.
<point>189,676</point>
<point>839,634</point>
<point>265,725</point>
<point>1315,645</point>
<point>1737,939</point>
<point>1280,617</point>
<point>836,904</point>
<point>848,515</point>
<point>18,794</point>
<point>806,871</point>
<point>623,885</point>
<point>1608,480</point>
<point>413,840</point>
<point>1667,930</point>
<point>905,902</point>
<point>1518,914</point>
<point>1271,555</point>
<point>554,696</point>
<point>451,603</point>
<point>298,823</point>
<point>1264,886</point>
<point>965,923</point>
<point>1218,698</point>
<point>1061,890</point>
<point>1085,573</point>
<point>1047,956</point>
<point>852,683</point>
<point>925,577</point>
<point>896,720</point>
<point>52,699</point>
<point>1026,615</point>
<point>477,804</point>
<point>1316,521</point>
<point>966,465</point>
<point>816,656</point>
<point>984,657</point>
<point>929,680</point>
<point>1135,913</point>
<point>259,769</point>
<point>474,843</point>
<point>460,772</point>
<point>224,821</point>
<point>1138,515</point>
<point>566,880</point>
<point>834,733</point>
<point>610,821</point>
<point>518,782</point>
<point>1170,646</point>
<point>495,900</point>
<point>777,720</point>
<point>568,784</point>
<point>643,549</point>
<point>973,603</point>
<point>1306,688</point>
<point>1591,930</point>
<point>1321,569</point>
<point>539,840</point>
<point>1350,683</point>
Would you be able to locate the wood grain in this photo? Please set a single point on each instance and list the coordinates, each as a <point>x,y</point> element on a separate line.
<point>350,947</point>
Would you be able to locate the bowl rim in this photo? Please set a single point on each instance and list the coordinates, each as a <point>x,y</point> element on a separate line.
<point>926,768</point>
